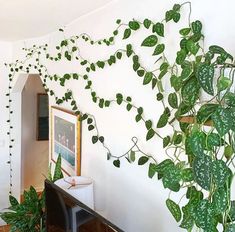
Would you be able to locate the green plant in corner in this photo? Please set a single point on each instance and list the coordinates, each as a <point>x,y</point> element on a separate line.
<point>29,215</point>
<point>199,160</point>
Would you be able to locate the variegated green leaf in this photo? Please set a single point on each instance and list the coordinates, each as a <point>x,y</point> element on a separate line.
<point>190,91</point>
<point>205,74</point>
<point>197,143</point>
<point>222,120</point>
<point>220,172</point>
<point>202,171</point>
<point>204,213</point>
<point>150,41</point>
<point>220,200</point>
<point>174,209</point>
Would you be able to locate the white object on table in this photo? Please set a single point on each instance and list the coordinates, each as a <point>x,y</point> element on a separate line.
<point>79,187</point>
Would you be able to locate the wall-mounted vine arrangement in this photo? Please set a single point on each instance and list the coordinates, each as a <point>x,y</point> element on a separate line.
<point>202,162</point>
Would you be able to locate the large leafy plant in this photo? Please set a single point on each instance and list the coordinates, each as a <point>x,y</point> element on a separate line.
<point>202,140</point>
<point>29,215</point>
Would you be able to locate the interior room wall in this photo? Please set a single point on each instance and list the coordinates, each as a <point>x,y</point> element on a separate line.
<point>126,195</point>
<point>5,57</point>
<point>35,154</point>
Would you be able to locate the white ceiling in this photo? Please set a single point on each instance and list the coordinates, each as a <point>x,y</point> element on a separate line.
<point>21,19</point>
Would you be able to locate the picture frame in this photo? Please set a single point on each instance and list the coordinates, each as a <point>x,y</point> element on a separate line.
<point>42,117</point>
<point>66,140</point>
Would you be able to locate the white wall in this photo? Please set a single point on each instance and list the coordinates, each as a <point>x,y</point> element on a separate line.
<point>126,196</point>
<point>35,154</point>
<point>5,57</point>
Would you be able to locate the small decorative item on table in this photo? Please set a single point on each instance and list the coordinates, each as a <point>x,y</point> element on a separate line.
<point>79,187</point>
<point>66,140</point>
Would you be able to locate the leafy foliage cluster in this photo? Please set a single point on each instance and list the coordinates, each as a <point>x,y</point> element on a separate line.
<point>29,215</point>
<point>203,159</point>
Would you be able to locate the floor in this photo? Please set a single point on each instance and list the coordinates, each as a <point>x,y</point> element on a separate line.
<point>4,228</point>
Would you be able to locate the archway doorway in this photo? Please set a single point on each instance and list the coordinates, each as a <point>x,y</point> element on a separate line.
<point>34,128</point>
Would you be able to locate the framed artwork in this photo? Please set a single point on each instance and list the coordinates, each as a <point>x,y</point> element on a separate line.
<point>66,140</point>
<point>42,117</point>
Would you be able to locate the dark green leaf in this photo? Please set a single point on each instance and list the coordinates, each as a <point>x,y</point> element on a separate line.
<point>174,209</point>
<point>140,73</point>
<point>138,117</point>
<point>147,78</point>
<point>13,201</point>
<point>205,112</point>
<point>169,15</point>
<point>159,29</point>
<point>100,64</point>
<point>134,25</point>
<point>148,124</point>
<point>127,33</point>
<point>159,49</point>
<point>192,47</point>
<point>176,82</point>
<point>128,107</point>
<point>166,141</point>
<point>58,171</point>
<point>116,163</point>
<point>185,31</point>
<point>101,139</point>
<point>186,72</point>
<point>173,100</point>
<point>216,49</point>
<point>196,27</point>
<point>150,41</point>
<point>181,55</point>
<point>162,120</point>
<point>176,17</point>
<point>119,55</point>
<point>205,74</point>
<point>147,23</point>
<point>90,127</point>
<point>150,134</point>
<point>152,170</point>
<point>95,139</point>
<point>177,139</point>
<point>129,50</point>
<point>162,74</point>
<point>142,160</point>
<point>159,96</point>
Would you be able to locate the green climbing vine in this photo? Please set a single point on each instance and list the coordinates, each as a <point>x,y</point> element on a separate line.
<point>199,160</point>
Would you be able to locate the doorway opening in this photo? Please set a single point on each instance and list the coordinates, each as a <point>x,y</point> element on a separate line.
<point>34,134</point>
